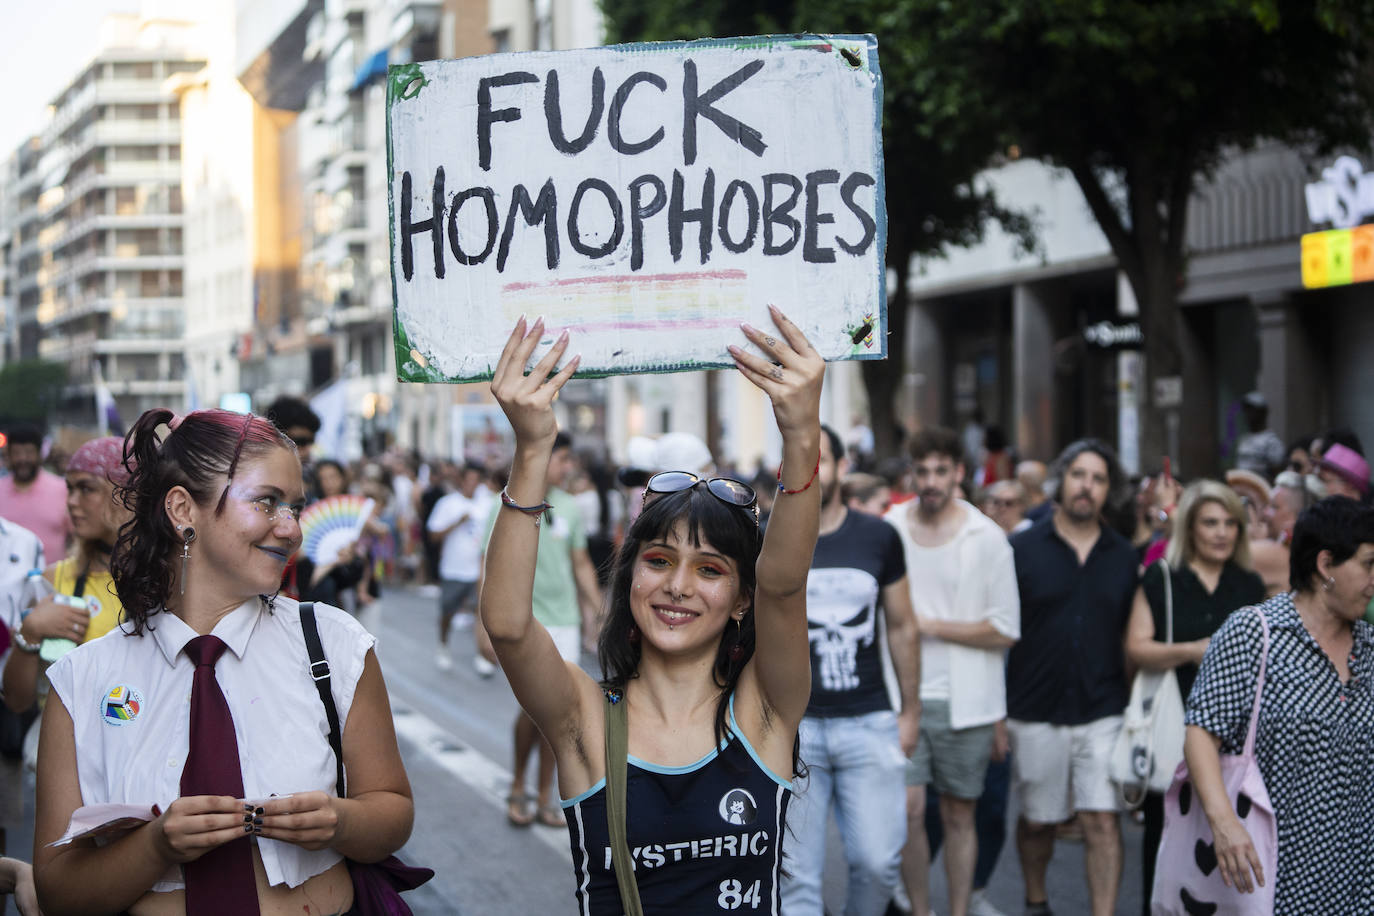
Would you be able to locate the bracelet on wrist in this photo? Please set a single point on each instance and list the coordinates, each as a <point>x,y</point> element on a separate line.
<point>23,645</point>
<point>783,491</point>
<point>537,512</point>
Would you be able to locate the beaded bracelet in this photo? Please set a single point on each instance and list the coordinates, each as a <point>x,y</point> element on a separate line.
<point>814,474</point>
<point>536,511</point>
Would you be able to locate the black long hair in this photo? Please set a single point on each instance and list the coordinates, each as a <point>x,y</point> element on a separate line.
<point>733,533</point>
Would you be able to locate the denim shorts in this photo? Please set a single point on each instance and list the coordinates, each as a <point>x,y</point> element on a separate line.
<point>954,760</point>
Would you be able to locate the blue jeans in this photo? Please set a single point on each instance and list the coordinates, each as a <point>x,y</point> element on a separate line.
<point>857,764</point>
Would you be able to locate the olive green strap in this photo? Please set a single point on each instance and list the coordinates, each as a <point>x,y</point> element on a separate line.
<point>617,744</point>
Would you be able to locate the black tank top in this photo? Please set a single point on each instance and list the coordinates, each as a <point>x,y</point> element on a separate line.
<point>705,838</point>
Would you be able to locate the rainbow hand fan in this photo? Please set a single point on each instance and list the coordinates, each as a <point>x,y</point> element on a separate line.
<point>332,524</point>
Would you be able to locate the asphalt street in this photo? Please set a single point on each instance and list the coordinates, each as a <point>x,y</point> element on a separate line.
<point>454,729</point>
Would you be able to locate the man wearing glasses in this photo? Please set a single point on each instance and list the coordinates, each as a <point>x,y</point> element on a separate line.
<point>865,709</point>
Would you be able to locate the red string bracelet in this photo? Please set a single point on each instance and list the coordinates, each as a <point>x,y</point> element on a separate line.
<point>814,474</point>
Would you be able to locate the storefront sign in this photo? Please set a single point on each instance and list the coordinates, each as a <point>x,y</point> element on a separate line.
<point>1109,336</point>
<point>1344,196</point>
<point>647,197</point>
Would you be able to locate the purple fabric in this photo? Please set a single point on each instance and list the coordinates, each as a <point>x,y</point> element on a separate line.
<point>221,881</point>
<point>1187,878</point>
<point>377,886</point>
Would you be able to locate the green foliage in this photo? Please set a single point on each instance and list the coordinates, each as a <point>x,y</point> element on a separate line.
<point>31,389</point>
<point>934,145</point>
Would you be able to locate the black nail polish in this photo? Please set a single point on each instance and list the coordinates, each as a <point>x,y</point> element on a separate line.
<point>257,830</point>
<point>248,818</point>
<point>258,811</point>
<point>247,828</point>
<point>248,808</point>
<point>257,822</point>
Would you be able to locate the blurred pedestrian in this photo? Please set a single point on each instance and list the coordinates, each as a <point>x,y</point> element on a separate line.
<point>963,590</point>
<point>1031,476</point>
<point>1209,576</point>
<point>867,493</point>
<point>1005,504</point>
<point>863,717</point>
<point>1066,679</point>
<point>1342,470</point>
<point>1260,450</point>
<point>30,496</point>
<point>1316,721</point>
<point>456,524</point>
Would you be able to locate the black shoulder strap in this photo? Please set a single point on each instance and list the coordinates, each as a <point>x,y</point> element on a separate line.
<point>319,670</point>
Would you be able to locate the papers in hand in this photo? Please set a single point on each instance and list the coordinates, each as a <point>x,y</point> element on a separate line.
<point>103,823</point>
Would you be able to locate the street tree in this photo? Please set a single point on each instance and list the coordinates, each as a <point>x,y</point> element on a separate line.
<point>1141,100</point>
<point>934,143</point>
<point>31,390</point>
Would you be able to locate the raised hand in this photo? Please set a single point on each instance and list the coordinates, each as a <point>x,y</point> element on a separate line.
<point>528,399</point>
<point>791,375</point>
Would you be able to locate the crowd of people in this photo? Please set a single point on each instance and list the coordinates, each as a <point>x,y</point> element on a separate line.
<point>893,644</point>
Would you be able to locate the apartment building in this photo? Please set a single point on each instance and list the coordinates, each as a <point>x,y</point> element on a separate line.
<point>97,224</point>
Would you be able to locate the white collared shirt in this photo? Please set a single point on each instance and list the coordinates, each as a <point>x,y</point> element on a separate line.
<point>130,702</point>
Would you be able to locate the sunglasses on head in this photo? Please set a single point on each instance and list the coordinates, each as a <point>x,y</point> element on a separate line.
<point>731,492</point>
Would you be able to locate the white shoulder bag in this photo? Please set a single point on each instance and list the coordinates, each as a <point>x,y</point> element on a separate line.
<point>1150,746</point>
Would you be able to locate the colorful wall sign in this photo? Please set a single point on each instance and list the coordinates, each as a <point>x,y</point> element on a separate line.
<point>1338,257</point>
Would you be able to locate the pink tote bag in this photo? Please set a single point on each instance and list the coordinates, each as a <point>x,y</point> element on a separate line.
<point>1187,879</point>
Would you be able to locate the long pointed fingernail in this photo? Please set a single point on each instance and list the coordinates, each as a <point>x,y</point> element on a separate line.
<point>747,326</point>
<point>563,337</point>
<point>734,350</point>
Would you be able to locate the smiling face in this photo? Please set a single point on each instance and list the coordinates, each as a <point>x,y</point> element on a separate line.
<point>683,595</point>
<point>1215,533</point>
<point>248,544</point>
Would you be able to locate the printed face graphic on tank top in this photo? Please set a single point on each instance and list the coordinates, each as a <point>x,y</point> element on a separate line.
<point>738,807</point>
<point>840,603</point>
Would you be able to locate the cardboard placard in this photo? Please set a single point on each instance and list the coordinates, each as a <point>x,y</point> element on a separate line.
<point>648,197</point>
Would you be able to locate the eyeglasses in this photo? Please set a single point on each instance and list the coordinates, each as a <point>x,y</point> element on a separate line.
<point>731,492</point>
<point>275,509</point>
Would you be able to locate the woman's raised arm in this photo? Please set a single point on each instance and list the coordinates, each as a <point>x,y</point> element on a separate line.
<point>791,376</point>
<point>545,685</point>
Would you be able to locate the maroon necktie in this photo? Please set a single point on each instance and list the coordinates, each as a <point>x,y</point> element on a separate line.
<point>222,880</point>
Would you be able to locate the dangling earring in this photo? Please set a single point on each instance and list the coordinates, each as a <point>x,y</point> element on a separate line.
<point>1330,581</point>
<point>736,652</point>
<point>632,635</point>
<point>186,555</point>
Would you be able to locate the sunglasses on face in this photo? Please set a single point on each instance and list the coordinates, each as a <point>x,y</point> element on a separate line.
<point>728,491</point>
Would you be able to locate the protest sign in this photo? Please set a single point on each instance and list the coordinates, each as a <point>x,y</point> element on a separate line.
<point>648,197</point>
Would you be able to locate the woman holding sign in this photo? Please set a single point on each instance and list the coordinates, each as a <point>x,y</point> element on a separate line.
<point>700,778</point>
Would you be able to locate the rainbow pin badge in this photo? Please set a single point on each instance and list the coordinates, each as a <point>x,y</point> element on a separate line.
<point>121,705</point>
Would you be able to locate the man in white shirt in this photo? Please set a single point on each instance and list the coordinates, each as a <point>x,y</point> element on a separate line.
<point>457,523</point>
<point>21,552</point>
<point>963,589</point>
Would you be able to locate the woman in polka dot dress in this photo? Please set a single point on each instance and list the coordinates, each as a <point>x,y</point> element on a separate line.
<point>1315,737</point>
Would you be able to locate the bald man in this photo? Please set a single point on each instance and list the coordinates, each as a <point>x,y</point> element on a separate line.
<point>1031,476</point>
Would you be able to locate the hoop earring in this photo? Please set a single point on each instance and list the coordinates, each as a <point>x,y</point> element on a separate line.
<point>736,652</point>
<point>186,555</point>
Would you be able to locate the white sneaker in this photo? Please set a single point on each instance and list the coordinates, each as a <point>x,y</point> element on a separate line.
<point>483,667</point>
<point>980,905</point>
<point>443,660</point>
